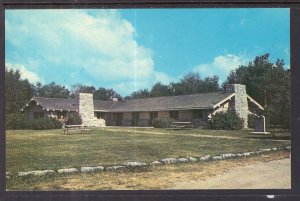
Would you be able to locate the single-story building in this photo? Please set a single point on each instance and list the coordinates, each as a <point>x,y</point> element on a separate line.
<point>196,108</point>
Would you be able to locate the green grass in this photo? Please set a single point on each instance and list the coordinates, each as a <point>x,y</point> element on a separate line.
<point>50,149</point>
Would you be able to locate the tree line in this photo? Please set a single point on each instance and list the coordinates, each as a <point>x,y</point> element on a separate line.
<point>268,83</point>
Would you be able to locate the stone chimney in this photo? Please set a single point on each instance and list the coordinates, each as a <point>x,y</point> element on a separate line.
<point>241,102</point>
<point>86,110</point>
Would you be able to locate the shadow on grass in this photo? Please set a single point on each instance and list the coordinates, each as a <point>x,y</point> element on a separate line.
<point>272,136</point>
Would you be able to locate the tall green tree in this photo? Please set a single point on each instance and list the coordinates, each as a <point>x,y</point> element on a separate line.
<point>143,93</point>
<point>160,89</point>
<point>51,90</point>
<point>192,83</point>
<point>106,94</point>
<point>17,91</point>
<point>80,88</point>
<point>268,83</point>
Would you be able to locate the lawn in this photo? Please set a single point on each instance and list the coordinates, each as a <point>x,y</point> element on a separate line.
<point>51,149</point>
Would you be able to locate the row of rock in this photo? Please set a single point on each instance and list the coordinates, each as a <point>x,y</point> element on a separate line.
<point>142,164</point>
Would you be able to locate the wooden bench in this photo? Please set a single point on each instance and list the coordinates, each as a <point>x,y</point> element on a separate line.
<point>181,125</point>
<point>75,128</point>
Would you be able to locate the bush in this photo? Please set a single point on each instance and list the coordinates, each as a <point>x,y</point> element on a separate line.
<point>251,120</point>
<point>17,121</point>
<point>45,123</point>
<point>162,122</point>
<point>226,121</point>
<point>73,119</point>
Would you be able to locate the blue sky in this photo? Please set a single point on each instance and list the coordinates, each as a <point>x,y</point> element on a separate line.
<point>131,49</point>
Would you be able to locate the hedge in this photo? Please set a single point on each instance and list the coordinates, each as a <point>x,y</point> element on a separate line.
<point>20,121</point>
<point>17,121</point>
<point>73,119</point>
<point>226,121</point>
<point>162,122</point>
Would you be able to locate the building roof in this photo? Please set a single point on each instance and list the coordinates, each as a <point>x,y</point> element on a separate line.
<point>57,103</point>
<point>194,101</point>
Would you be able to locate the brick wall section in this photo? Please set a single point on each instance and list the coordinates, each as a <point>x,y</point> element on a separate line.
<point>241,102</point>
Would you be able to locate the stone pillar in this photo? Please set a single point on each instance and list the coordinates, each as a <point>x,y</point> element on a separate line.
<point>241,102</point>
<point>86,107</point>
<point>86,110</point>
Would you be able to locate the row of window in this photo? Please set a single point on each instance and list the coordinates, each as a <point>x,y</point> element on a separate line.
<point>197,114</point>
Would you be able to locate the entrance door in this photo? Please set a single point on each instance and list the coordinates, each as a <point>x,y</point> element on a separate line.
<point>118,118</point>
<point>135,118</point>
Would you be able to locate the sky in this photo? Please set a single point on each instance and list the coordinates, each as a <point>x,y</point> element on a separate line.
<point>131,49</point>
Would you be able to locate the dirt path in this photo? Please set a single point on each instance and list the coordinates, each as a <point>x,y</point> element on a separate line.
<point>262,175</point>
<point>186,134</point>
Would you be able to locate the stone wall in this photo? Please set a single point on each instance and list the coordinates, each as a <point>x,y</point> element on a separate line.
<point>86,111</point>
<point>240,100</point>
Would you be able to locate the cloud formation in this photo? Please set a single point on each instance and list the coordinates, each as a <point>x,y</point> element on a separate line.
<point>25,73</point>
<point>95,46</point>
<point>221,66</point>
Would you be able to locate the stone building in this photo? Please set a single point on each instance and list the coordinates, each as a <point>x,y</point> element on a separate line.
<point>195,108</point>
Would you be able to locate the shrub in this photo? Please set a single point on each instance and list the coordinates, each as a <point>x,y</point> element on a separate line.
<point>251,120</point>
<point>17,121</point>
<point>73,119</point>
<point>226,121</point>
<point>45,123</point>
<point>162,122</point>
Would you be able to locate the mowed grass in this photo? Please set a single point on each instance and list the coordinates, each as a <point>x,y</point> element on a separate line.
<point>51,149</point>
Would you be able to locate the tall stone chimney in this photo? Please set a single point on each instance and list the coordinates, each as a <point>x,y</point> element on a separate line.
<point>241,102</point>
<point>86,110</point>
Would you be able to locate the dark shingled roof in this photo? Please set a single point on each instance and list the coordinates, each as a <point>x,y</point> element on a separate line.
<point>57,103</point>
<point>202,100</point>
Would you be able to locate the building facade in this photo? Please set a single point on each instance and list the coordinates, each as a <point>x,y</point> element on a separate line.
<point>195,108</point>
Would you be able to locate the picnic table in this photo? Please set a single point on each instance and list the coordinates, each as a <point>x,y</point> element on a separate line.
<point>181,125</point>
<point>75,128</point>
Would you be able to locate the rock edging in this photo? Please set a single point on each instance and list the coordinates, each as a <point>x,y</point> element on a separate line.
<point>130,165</point>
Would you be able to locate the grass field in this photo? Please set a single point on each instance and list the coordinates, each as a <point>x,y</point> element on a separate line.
<point>50,149</point>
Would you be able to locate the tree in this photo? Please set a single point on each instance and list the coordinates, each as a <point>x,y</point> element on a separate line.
<point>17,91</point>
<point>143,93</point>
<point>106,94</point>
<point>192,83</point>
<point>269,84</point>
<point>51,90</point>
<point>160,89</point>
<point>80,88</point>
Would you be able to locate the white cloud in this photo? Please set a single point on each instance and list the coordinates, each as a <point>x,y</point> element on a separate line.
<point>101,43</point>
<point>221,65</point>
<point>25,73</point>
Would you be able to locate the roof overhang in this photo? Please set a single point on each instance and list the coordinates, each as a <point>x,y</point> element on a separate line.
<point>158,110</point>
<point>255,102</point>
<point>223,101</point>
<point>27,104</point>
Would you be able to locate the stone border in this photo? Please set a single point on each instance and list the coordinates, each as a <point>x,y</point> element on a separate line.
<point>131,165</point>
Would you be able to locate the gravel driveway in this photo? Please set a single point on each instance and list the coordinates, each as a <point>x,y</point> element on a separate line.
<point>262,175</point>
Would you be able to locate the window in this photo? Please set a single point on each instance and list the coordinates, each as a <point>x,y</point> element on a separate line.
<point>174,115</point>
<point>37,115</point>
<point>100,115</point>
<point>153,115</point>
<point>197,114</point>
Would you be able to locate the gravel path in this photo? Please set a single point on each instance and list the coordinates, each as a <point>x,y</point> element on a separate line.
<point>262,175</point>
